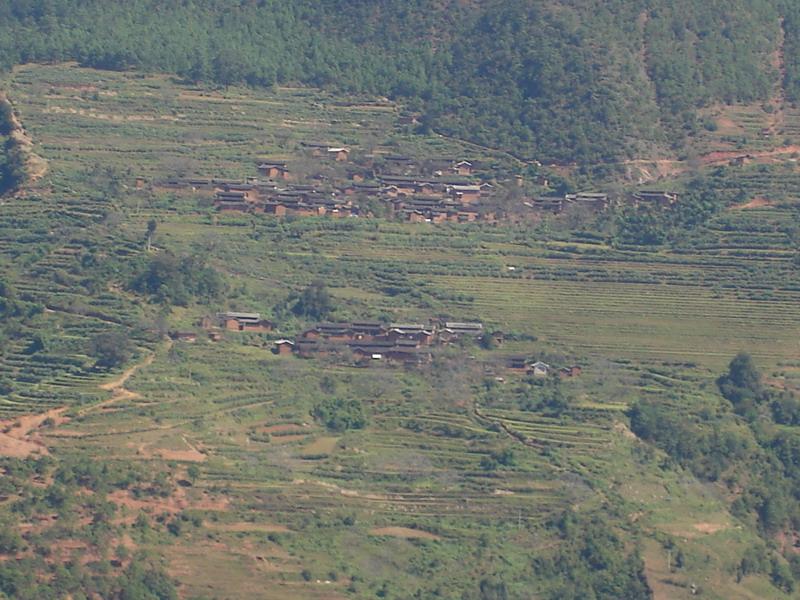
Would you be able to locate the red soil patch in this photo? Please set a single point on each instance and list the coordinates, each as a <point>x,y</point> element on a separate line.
<point>20,437</point>
<point>709,527</point>
<point>177,502</point>
<point>754,203</point>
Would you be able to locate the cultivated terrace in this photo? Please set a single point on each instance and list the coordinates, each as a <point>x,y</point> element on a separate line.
<point>288,343</point>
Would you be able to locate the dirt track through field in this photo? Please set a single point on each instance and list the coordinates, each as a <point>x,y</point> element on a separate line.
<point>117,385</point>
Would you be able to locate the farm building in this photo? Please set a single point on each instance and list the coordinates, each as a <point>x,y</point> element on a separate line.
<point>473,328</point>
<point>540,369</point>
<point>283,347</point>
<point>463,167</point>
<point>239,321</point>
<point>571,371</point>
<point>338,154</point>
<point>274,170</point>
<point>520,364</point>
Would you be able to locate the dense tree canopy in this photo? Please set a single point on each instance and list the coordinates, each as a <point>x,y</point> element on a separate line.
<point>560,81</point>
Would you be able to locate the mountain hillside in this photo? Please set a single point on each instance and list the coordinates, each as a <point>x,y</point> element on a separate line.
<point>564,81</point>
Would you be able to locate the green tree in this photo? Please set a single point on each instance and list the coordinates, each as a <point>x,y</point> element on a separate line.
<point>111,349</point>
<point>338,414</point>
<point>741,385</point>
<point>314,302</point>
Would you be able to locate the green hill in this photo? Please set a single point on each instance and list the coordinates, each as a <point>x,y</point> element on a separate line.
<point>150,449</point>
<point>554,81</point>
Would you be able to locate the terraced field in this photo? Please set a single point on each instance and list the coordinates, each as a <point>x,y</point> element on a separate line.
<point>450,451</point>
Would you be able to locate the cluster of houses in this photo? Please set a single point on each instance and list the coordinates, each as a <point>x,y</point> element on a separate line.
<point>538,368</point>
<point>435,199</point>
<point>447,192</point>
<point>368,341</point>
<point>228,321</point>
<point>599,201</point>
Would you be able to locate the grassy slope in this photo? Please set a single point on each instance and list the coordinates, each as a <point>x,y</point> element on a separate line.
<point>584,301</point>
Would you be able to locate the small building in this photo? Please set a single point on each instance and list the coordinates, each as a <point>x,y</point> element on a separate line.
<point>367,328</point>
<point>306,348</point>
<point>466,194</point>
<point>339,154</point>
<point>283,347</point>
<point>540,369</point>
<point>571,371</point>
<point>463,167</point>
<point>473,329</point>
<point>215,336</point>
<point>553,204</point>
<point>520,364</point>
<point>239,321</point>
<point>592,200</point>
<point>274,170</point>
<point>333,332</point>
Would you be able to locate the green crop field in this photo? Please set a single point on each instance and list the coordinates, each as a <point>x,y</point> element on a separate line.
<point>463,469</point>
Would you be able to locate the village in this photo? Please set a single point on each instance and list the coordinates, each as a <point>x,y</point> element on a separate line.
<point>365,343</point>
<point>433,190</point>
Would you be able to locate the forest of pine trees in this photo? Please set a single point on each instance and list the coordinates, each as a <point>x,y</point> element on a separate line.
<point>559,81</point>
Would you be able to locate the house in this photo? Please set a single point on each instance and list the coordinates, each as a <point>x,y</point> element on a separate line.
<point>362,329</point>
<point>183,336</point>
<point>283,347</point>
<point>239,321</point>
<point>237,200</point>
<point>540,369</point>
<point>338,154</point>
<point>334,332</point>
<point>236,191</point>
<point>306,348</point>
<point>274,170</point>
<point>466,193</point>
<point>520,364</point>
<point>196,184</point>
<point>390,353</point>
<point>553,204</point>
<point>473,329</point>
<point>315,148</point>
<point>418,335</point>
<point>463,167</point>
<point>592,200</point>
<point>571,371</point>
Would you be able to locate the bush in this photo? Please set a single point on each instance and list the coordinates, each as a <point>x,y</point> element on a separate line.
<point>339,415</point>
<point>111,349</point>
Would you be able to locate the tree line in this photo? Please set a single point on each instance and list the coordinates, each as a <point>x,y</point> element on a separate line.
<point>553,81</point>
